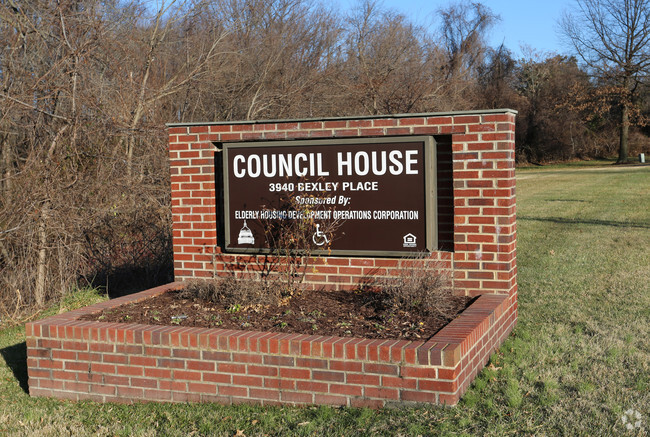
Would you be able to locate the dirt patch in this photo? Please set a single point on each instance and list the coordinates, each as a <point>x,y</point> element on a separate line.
<point>336,313</point>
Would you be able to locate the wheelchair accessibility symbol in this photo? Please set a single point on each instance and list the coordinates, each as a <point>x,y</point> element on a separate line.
<point>319,237</point>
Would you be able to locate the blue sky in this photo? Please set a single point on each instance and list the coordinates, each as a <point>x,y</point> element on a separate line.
<point>523,22</point>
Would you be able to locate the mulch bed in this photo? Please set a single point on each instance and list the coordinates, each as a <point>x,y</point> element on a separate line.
<point>336,313</point>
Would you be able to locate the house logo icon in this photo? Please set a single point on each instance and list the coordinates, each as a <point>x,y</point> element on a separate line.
<point>409,240</point>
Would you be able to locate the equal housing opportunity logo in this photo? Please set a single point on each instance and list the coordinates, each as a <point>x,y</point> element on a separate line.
<point>409,240</point>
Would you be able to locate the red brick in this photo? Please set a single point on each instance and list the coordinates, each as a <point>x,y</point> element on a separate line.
<point>279,383</point>
<point>425,130</point>
<point>187,397</point>
<point>448,399</point>
<point>360,123</point>
<point>216,356</point>
<point>142,361</point>
<point>220,378</point>
<point>144,382</point>
<point>414,121</point>
<point>38,373</point>
<point>420,372</point>
<point>129,370</point>
<point>50,364</point>
<point>79,366</point>
<point>196,387</point>
<point>105,390</point>
<point>77,386</point>
<point>369,132</point>
<point>295,373</point>
<point>69,376</point>
<point>46,383</point>
<point>251,381</point>
<point>324,375</point>
<point>56,354</point>
<point>130,392</point>
<point>302,398</point>
<point>158,395</point>
<point>382,393</point>
<point>127,349</point>
<point>482,127</point>
<point>185,375</point>
<point>442,386</point>
<point>172,385</point>
<point>311,363</point>
<point>311,386</point>
<point>311,125</point>
<point>333,124</point>
<point>157,373</point>
<point>417,396</point>
<point>90,377</point>
<point>398,131</point>
<point>346,366</point>
<point>350,271</point>
<point>384,122</point>
<point>262,370</point>
<point>49,343</point>
<point>226,390</point>
<point>200,365</point>
<point>344,389</point>
<point>495,137</point>
<point>322,399</point>
<point>46,353</point>
<point>260,393</point>
<point>74,345</point>
<point>392,381</point>
<point>247,358</point>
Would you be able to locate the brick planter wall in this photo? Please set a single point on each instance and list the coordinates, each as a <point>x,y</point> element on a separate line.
<point>72,359</point>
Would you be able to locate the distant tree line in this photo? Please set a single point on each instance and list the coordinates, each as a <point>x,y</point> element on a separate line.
<point>86,88</point>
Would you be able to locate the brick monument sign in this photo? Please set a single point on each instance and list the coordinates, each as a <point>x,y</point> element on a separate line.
<point>442,184</point>
<point>475,195</point>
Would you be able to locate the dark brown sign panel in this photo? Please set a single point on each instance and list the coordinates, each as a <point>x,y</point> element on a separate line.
<point>374,195</point>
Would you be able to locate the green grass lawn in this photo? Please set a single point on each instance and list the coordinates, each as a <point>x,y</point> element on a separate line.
<point>577,361</point>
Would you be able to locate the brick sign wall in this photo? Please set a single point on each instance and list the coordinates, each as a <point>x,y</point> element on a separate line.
<point>475,196</point>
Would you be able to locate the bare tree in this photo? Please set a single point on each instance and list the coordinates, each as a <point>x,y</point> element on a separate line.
<point>464,28</point>
<point>281,52</point>
<point>388,61</point>
<point>612,37</point>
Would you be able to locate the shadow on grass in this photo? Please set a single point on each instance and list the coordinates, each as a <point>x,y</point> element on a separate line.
<point>563,220</point>
<point>16,358</point>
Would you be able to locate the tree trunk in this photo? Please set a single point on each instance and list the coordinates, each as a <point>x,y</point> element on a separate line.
<point>5,173</point>
<point>41,266</point>
<point>625,129</point>
<point>41,232</point>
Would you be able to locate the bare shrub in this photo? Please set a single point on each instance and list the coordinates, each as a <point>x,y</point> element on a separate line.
<point>422,287</point>
<point>292,241</point>
<point>232,292</point>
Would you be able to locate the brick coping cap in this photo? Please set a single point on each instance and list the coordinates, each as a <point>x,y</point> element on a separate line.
<point>359,117</point>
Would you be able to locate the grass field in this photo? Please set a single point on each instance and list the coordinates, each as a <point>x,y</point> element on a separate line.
<point>578,361</point>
